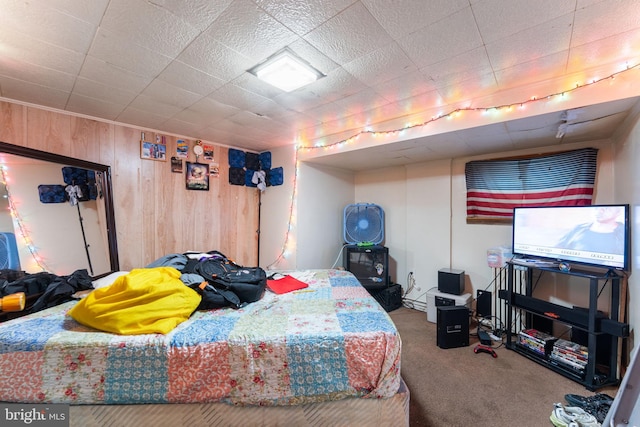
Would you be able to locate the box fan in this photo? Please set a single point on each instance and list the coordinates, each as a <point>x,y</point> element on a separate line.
<point>363,224</point>
<point>9,259</point>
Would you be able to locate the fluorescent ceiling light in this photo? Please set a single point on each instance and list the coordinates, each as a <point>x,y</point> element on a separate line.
<point>286,71</point>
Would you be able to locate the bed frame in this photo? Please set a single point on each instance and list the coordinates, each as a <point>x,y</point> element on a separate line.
<point>346,412</point>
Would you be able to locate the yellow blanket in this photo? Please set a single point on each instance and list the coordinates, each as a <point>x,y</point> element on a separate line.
<point>145,301</point>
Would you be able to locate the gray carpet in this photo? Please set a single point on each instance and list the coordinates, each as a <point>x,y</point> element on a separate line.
<point>456,387</point>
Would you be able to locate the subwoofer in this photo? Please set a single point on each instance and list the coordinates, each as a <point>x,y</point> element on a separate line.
<point>453,326</point>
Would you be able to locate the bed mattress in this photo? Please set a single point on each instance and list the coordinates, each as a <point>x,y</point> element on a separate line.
<point>327,342</point>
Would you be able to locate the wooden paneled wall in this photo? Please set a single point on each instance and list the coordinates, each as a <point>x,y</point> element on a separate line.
<point>155,214</point>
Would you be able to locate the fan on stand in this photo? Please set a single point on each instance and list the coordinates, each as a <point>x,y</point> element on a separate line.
<point>363,224</point>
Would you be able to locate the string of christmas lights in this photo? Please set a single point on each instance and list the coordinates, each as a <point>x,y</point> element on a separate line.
<point>24,233</point>
<point>521,104</point>
<point>291,222</point>
<point>452,113</point>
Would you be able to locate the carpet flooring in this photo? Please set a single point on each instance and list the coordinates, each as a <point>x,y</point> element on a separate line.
<point>456,387</point>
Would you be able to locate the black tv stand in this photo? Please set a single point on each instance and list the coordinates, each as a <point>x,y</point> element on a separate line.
<point>589,320</point>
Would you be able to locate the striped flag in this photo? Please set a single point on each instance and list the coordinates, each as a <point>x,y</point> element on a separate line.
<point>495,187</point>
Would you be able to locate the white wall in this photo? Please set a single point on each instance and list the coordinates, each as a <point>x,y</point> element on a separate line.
<point>627,190</point>
<point>425,213</point>
<point>323,194</point>
<point>314,216</point>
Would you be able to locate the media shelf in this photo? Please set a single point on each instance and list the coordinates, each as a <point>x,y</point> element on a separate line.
<point>596,325</point>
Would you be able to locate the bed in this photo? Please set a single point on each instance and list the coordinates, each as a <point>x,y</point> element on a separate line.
<point>325,355</point>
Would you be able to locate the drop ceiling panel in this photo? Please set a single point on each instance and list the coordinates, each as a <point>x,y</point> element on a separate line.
<point>180,67</point>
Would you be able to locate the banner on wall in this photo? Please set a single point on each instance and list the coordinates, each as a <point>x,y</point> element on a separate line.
<point>253,170</point>
<point>495,187</point>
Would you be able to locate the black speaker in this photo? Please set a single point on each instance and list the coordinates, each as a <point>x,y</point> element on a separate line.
<point>453,326</point>
<point>451,281</point>
<point>483,303</point>
<point>389,298</point>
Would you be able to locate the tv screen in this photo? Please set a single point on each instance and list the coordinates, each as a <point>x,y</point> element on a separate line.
<point>596,235</point>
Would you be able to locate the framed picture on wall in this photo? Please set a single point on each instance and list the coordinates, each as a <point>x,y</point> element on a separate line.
<point>197,176</point>
<point>153,151</point>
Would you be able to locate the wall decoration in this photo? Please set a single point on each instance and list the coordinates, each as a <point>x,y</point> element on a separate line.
<point>214,170</point>
<point>236,176</point>
<point>198,150</point>
<point>197,177</point>
<point>153,151</point>
<point>253,170</point>
<point>182,149</point>
<point>236,158</point>
<point>495,187</point>
<point>208,152</point>
<point>176,165</point>
<point>52,193</point>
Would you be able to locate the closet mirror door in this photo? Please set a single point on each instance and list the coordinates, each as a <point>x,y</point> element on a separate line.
<point>56,213</point>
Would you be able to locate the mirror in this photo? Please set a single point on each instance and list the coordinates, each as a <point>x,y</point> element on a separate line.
<point>56,213</point>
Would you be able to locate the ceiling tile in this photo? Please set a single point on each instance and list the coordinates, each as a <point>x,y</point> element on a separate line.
<point>94,106</point>
<point>348,35</point>
<point>536,42</point>
<point>381,65</point>
<point>116,49</point>
<point>491,15</point>
<point>197,13</point>
<point>141,118</point>
<point>206,111</point>
<point>235,96</point>
<point>620,48</point>
<point>47,25</point>
<point>92,89</point>
<point>250,31</point>
<point>605,19</point>
<point>32,93</point>
<point>212,57</point>
<point>160,31</point>
<point>37,53</point>
<point>169,94</point>
<point>155,107</point>
<point>437,42</point>
<point>402,17</point>
<point>302,17</point>
<point>110,75</point>
<point>405,87</point>
<point>532,71</point>
<point>90,12</point>
<point>41,76</point>
<point>188,78</point>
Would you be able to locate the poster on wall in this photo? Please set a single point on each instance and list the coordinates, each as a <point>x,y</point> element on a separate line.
<point>197,176</point>
<point>153,151</point>
<point>182,148</point>
<point>176,164</point>
<point>208,152</point>
<point>214,170</point>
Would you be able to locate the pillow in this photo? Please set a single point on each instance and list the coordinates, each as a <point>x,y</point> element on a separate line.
<point>144,301</point>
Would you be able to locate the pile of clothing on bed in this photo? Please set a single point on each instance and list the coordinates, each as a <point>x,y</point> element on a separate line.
<point>52,289</point>
<point>147,300</point>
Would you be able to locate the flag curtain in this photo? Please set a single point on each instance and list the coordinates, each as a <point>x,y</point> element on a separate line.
<point>495,187</point>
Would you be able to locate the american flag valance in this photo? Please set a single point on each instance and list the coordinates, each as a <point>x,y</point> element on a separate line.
<point>495,187</point>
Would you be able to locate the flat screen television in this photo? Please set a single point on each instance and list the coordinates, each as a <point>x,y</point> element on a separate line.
<point>596,235</point>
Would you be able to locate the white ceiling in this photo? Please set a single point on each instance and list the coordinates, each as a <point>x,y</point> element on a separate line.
<point>179,66</point>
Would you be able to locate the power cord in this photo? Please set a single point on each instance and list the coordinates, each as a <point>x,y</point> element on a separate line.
<point>339,257</point>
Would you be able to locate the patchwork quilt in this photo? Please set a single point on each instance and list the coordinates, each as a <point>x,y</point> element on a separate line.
<point>329,341</point>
